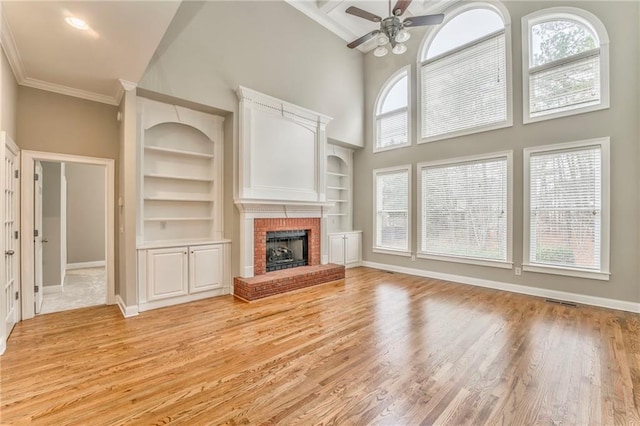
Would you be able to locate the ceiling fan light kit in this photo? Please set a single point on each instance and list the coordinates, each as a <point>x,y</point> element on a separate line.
<point>392,30</point>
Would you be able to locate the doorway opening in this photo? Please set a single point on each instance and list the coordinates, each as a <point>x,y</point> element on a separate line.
<point>70,216</point>
<point>68,209</point>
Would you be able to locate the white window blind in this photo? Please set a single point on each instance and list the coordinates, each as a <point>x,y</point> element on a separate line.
<point>393,129</point>
<point>565,86</point>
<point>565,190</point>
<point>464,209</point>
<point>392,205</point>
<point>466,88</point>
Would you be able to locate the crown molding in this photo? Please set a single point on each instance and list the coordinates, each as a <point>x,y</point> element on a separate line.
<point>124,85</point>
<point>69,91</point>
<point>11,50</point>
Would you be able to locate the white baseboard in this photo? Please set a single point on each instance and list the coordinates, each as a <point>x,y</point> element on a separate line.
<point>3,346</point>
<point>82,265</point>
<point>49,289</point>
<point>514,288</point>
<point>127,311</point>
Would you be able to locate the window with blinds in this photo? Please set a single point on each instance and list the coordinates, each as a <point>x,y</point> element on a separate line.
<point>465,88</point>
<point>566,50</point>
<point>391,194</point>
<point>465,209</point>
<point>392,113</point>
<point>565,208</point>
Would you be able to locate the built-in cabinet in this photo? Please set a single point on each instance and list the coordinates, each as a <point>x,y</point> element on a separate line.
<point>182,255</point>
<point>346,248</point>
<point>345,244</point>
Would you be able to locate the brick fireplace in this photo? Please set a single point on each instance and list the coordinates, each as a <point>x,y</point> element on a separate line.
<point>262,226</point>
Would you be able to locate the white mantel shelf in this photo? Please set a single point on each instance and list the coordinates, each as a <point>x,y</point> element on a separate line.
<point>253,205</point>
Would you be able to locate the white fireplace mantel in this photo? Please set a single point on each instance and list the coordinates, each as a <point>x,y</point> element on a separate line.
<point>281,151</point>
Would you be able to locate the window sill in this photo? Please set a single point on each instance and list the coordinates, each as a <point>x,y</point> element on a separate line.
<point>466,132</point>
<point>390,148</point>
<point>468,260</point>
<point>526,119</point>
<point>391,251</point>
<point>569,272</point>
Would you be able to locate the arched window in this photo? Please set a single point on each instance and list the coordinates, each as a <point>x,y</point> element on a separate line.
<point>565,63</point>
<point>392,113</point>
<point>465,73</point>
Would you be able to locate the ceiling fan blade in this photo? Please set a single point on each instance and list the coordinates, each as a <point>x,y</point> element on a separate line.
<point>362,39</point>
<point>356,11</point>
<point>418,21</point>
<point>401,7</point>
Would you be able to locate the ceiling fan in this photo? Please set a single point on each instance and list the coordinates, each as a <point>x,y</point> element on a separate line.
<point>392,30</point>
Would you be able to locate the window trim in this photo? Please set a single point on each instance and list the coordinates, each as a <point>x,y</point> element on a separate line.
<point>451,13</point>
<point>382,94</point>
<point>506,264</point>
<point>582,17</point>
<point>605,230</point>
<point>386,250</point>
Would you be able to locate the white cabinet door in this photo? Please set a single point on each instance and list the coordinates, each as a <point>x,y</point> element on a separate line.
<point>167,273</point>
<point>352,250</point>
<point>336,249</point>
<point>205,268</point>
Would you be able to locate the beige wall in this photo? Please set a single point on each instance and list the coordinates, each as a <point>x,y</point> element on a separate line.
<point>9,95</point>
<point>267,46</point>
<point>85,213</point>
<point>56,123</point>
<point>51,217</point>
<point>619,122</point>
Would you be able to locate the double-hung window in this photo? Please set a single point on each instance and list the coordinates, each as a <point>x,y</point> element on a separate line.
<point>392,204</point>
<point>465,74</point>
<point>566,209</point>
<point>466,210</point>
<point>565,63</point>
<point>392,113</point>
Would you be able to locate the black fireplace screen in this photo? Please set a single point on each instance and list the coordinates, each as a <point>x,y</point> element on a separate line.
<point>286,249</point>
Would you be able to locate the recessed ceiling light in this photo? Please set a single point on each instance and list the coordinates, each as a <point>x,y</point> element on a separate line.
<point>77,23</point>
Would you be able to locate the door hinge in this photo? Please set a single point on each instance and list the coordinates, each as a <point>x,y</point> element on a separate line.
<point>36,289</point>
<point>36,176</point>
<point>16,173</point>
<point>17,295</point>
<point>35,233</point>
<point>16,234</point>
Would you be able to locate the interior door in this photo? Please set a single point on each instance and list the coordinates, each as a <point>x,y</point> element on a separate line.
<point>37,238</point>
<point>11,249</point>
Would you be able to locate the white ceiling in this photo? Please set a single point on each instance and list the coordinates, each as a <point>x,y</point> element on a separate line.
<point>45,52</point>
<point>331,14</point>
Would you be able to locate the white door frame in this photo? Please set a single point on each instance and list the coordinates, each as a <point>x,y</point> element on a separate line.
<point>28,160</point>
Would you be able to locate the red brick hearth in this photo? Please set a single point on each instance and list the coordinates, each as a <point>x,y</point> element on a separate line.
<point>277,282</point>
<point>260,228</point>
<point>264,284</point>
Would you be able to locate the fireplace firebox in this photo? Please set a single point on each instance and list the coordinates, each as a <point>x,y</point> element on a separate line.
<point>287,249</point>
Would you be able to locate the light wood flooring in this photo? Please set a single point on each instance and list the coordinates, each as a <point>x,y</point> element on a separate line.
<point>376,348</point>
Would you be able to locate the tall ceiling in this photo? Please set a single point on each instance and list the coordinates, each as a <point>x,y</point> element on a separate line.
<point>47,53</point>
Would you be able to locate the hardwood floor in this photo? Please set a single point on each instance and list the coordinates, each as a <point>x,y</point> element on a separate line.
<point>376,348</point>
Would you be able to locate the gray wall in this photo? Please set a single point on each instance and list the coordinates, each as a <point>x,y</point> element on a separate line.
<point>9,91</point>
<point>203,59</point>
<point>85,213</point>
<point>51,210</point>
<point>619,122</point>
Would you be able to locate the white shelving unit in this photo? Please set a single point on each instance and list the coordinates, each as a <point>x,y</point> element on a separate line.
<point>339,181</point>
<point>182,255</point>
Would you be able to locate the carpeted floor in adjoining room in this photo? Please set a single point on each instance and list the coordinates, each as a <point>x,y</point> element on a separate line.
<point>82,288</point>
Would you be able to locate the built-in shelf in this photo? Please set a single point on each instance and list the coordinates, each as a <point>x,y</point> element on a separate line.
<point>176,219</point>
<point>337,174</point>
<point>339,188</point>
<point>175,177</point>
<point>338,201</point>
<point>194,200</point>
<point>174,151</point>
<point>339,169</point>
<point>336,214</point>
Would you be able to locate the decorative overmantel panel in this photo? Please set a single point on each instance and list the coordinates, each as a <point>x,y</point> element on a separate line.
<point>282,150</point>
